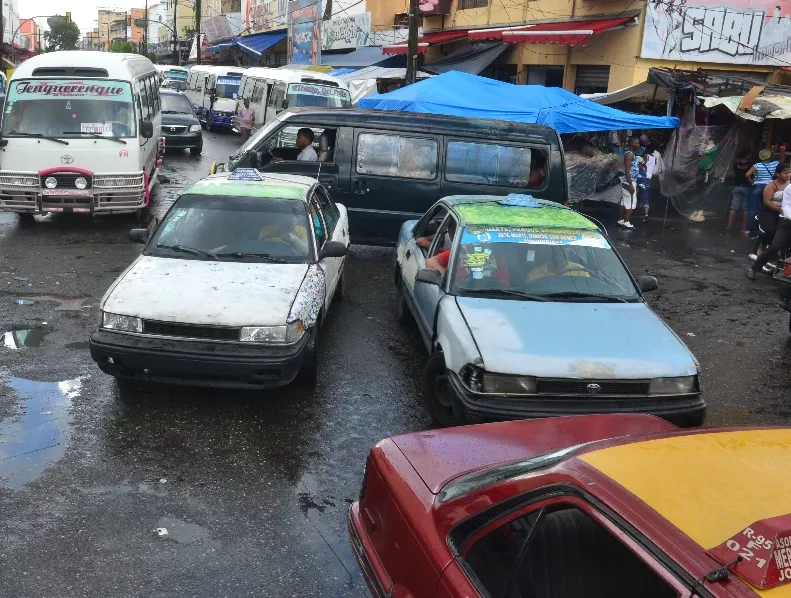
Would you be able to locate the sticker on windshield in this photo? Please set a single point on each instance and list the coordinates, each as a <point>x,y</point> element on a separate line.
<point>228,81</point>
<point>534,236</point>
<point>42,89</point>
<point>520,200</point>
<point>325,91</point>
<point>245,174</point>
<point>97,128</point>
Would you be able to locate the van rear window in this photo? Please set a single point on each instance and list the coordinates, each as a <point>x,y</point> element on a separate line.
<point>497,165</point>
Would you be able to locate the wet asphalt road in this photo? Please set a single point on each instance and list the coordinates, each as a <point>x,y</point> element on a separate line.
<point>253,487</point>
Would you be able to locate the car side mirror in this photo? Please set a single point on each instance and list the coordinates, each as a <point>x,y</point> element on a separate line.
<point>647,283</point>
<point>333,249</point>
<point>429,276</point>
<point>146,129</point>
<point>284,103</point>
<point>139,235</point>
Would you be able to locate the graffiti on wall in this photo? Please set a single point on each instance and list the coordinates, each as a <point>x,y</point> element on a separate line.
<point>263,15</point>
<point>741,32</point>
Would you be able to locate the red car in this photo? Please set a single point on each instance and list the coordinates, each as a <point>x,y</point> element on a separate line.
<point>602,506</point>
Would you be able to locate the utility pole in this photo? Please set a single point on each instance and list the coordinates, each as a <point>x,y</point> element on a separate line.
<point>197,29</point>
<point>2,35</point>
<point>411,54</point>
<point>145,33</point>
<point>176,48</point>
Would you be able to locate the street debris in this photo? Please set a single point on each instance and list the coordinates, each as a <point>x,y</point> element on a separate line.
<point>20,278</point>
<point>24,302</point>
<point>163,481</point>
<point>691,334</point>
<point>162,532</point>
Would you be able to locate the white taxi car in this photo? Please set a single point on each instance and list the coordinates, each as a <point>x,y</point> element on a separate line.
<point>231,288</point>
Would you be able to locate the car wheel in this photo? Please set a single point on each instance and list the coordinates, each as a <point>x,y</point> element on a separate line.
<point>403,315</point>
<point>438,393</point>
<point>196,151</point>
<point>209,127</point>
<point>309,372</point>
<point>26,218</point>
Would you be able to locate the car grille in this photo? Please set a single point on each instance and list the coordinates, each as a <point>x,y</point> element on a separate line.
<point>214,333</point>
<point>565,386</point>
<point>178,130</point>
<point>66,180</point>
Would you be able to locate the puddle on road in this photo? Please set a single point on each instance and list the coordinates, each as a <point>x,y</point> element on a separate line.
<point>29,337</point>
<point>38,433</point>
<point>183,532</point>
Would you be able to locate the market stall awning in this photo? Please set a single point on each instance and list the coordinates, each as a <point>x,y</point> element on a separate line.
<point>361,58</point>
<point>571,32</point>
<point>255,45</point>
<point>473,58</point>
<point>763,107</point>
<point>471,96</point>
<point>430,38</point>
<point>636,93</point>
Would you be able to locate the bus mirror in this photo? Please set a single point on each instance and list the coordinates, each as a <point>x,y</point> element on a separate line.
<point>146,129</point>
<point>284,104</point>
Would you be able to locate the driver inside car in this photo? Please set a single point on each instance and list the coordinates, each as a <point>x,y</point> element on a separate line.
<point>549,261</point>
<point>286,230</point>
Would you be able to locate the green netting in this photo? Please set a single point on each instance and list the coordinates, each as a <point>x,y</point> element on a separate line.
<point>493,214</point>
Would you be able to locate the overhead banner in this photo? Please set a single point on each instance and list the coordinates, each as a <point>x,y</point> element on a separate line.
<point>304,32</point>
<point>347,32</point>
<point>264,15</point>
<point>753,32</point>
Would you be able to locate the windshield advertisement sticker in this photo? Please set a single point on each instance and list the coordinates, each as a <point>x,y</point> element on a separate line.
<point>97,128</point>
<point>228,81</point>
<point>40,89</point>
<point>534,236</point>
<point>245,174</point>
<point>180,75</point>
<point>306,89</point>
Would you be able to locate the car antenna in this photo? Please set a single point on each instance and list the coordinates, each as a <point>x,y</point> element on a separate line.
<point>720,574</point>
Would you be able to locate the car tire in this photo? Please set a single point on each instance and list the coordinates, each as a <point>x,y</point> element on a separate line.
<point>196,151</point>
<point>309,372</point>
<point>403,315</point>
<point>26,218</point>
<point>209,127</point>
<point>438,394</point>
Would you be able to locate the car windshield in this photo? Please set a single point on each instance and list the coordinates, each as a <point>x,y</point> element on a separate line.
<point>175,85</point>
<point>550,264</point>
<point>228,87</point>
<point>231,228</point>
<point>175,104</point>
<point>69,108</point>
<point>309,95</point>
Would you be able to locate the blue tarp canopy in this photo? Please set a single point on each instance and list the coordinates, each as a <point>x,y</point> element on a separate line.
<point>255,45</point>
<point>361,58</point>
<point>460,94</point>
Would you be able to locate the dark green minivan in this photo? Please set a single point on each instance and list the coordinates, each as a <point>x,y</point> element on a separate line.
<point>389,167</point>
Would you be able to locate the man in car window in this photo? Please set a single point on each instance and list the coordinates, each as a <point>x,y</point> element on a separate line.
<point>549,261</point>
<point>305,143</point>
<point>289,232</point>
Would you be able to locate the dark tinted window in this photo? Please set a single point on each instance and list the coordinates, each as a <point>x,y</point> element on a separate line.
<point>172,103</point>
<point>491,164</point>
<point>396,156</point>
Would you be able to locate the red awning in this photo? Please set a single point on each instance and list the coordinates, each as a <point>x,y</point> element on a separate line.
<point>565,32</point>
<point>430,38</point>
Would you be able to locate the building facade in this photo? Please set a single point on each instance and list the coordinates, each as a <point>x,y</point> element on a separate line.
<point>136,33</point>
<point>112,27</point>
<point>29,30</point>
<point>157,12</point>
<point>591,46</point>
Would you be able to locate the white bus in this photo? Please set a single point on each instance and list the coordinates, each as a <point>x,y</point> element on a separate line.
<point>80,132</point>
<point>168,71</point>
<point>271,91</point>
<point>213,91</point>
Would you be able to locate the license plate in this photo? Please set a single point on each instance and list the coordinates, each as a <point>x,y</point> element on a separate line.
<point>65,193</point>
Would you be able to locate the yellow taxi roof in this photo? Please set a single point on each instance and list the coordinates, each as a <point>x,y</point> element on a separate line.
<point>709,485</point>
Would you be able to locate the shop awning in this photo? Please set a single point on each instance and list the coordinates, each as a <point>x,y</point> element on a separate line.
<point>637,93</point>
<point>571,32</point>
<point>361,58</point>
<point>430,38</point>
<point>255,45</point>
<point>473,58</point>
<point>763,107</point>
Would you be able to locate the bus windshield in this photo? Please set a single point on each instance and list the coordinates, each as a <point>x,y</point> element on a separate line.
<point>310,95</point>
<point>69,108</point>
<point>228,87</point>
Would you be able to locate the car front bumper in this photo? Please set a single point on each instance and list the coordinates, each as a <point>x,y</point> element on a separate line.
<point>683,410</point>
<point>197,363</point>
<point>183,140</point>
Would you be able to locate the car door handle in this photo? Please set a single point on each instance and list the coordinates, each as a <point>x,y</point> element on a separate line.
<point>359,187</point>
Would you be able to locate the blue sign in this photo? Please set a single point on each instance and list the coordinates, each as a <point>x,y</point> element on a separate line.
<point>520,200</point>
<point>228,81</point>
<point>245,174</point>
<point>533,236</point>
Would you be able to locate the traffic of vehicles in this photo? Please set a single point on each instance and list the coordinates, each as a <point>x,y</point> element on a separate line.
<point>519,301</point>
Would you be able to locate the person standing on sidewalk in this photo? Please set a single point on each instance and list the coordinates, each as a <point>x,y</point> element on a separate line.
<point>760,175</point>
<point>246,120</point>
<point>629,186</point>
<point>782,237</point>
<point>741,189</point>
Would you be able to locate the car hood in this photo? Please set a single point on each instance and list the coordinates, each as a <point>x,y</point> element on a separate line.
<point>575,340</point>
<point>224,105</point>
<point>205,292</point>
<point>179,120</point>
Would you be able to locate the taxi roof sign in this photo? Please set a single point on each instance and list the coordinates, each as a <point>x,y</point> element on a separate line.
<point>245,174</point>
<point>763,552</point>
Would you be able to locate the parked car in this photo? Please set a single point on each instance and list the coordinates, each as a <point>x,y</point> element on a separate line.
<point>180,127</point>
<point>389,167</point>
<point>591,506</point>
<point>536,316</point>
<point>231,288</point>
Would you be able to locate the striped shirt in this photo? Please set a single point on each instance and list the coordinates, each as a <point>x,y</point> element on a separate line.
<point>765,172</point>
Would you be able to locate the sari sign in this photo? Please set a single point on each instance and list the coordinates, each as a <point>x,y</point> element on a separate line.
<point>752,32</point>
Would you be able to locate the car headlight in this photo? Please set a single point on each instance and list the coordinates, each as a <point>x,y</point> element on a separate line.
<point>51,182</point>
<point>478,380</point>
<point>290,333</point>
<point>121,323</point>
<point>681,385</point>
<point>195,129</point>
<point>80,183</point>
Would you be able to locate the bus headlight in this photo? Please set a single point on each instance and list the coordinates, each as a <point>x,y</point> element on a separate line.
<point>51,182</point>
<point>80,183</point>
